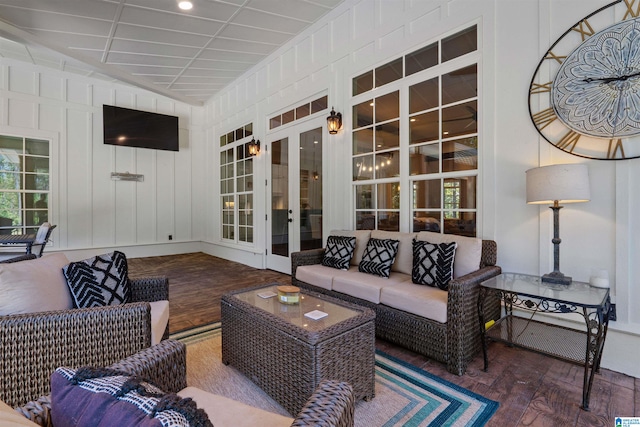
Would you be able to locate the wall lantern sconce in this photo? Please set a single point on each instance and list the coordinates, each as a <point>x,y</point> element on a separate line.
<point>334,122</point>
<point>254,147</point>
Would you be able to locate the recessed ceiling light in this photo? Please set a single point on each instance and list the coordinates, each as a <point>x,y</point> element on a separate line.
<point>185,5</point>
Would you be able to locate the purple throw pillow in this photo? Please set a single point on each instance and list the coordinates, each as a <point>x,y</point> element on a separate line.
<point>101,398</point>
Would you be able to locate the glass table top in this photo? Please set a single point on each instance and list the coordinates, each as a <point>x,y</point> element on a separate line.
<point>295,313</point>
<point>577,293</point>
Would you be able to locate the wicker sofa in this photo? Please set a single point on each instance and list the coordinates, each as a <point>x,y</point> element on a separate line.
<point>33,345</point>
<point>164,364</point>
<point>442,325</point>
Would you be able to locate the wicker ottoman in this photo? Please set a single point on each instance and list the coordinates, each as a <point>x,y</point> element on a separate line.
<point>287,354</point>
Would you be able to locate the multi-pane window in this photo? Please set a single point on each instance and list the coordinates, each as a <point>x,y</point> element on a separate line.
<point>24,184</point>
<point>438,114</point>
<point>376,145</point>
<point>299,112</point>
<point>236,185</point>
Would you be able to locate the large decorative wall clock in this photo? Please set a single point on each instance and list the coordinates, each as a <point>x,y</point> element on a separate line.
<point>584,97</point>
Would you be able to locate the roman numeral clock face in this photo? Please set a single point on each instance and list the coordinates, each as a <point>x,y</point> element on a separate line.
<point>584,97</point>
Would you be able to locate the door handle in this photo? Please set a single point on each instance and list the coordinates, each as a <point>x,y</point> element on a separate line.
<point>290,220</point>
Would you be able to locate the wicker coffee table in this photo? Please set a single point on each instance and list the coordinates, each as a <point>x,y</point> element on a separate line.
<point>287,354</point>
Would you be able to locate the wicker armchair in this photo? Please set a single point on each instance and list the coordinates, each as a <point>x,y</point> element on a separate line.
<point>33,345</point>
<point>164,364</point>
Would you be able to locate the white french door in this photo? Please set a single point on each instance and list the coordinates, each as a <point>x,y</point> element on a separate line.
<point>294,192</point>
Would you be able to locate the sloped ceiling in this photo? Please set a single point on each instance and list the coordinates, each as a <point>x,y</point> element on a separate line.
<point>152,44</point>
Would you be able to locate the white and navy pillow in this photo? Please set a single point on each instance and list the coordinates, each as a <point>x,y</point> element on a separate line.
<point>99,396</point>
<point>99,281</point>
<point>338,252</point>
<point>433,263</point>
<point>379,256</point>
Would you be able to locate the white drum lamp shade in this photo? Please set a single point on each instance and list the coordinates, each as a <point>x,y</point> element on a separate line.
<point>562,183</point>
<point>553,185</point>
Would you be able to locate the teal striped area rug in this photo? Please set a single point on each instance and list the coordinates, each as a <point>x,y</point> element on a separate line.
<point>405,394</point>
<point>419,398</point>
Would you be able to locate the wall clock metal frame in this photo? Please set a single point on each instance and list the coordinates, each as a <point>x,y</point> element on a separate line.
<point>584,97</point>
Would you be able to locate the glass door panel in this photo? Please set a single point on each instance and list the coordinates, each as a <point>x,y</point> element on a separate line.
<point>310,228</point>
<point>294,192</point>
<point>280,197</point>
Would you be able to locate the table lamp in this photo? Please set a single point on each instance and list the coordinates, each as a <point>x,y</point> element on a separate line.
<point>553,185</point>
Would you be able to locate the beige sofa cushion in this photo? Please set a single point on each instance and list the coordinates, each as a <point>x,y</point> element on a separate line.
<point>320,275</point>
<point>225,412</point>
<point>404,257</point>
<point>468,252</point>
<point>423,301</point>
<point>34,285</point>
<point>362,237</point>
<point>159,320</point>
<point>9,417</point>
<point>366,286</point>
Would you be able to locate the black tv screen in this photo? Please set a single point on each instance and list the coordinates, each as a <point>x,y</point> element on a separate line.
<point>142,129</point>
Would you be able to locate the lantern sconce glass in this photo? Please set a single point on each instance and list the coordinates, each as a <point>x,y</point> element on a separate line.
<point>254,147</point>
<point>334,122</point>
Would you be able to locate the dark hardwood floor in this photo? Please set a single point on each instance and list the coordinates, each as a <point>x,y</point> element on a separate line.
<point>196,283</point>
<point>533,390</point>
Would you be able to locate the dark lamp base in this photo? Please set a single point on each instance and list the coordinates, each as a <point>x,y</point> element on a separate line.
<point>557,277</point>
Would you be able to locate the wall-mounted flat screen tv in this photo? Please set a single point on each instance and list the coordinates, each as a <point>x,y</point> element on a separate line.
<point>141,129</point>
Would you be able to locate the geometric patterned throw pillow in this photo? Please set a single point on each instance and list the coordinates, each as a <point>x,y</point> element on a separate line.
<point>379,256</point>
<point>338,252</point>
<point>100,397</point>
<point>433,263</point>
<point>99,281</point>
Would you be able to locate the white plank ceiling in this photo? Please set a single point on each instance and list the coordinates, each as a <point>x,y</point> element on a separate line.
<point>152,44</point>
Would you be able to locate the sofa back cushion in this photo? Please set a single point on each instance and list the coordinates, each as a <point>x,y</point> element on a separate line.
<point>34,285</point>
<point>362,237</point>
<point>404,257</point>
<point>468,252</point>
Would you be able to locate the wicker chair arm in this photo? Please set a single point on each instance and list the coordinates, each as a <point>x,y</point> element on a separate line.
<point>33,345</point>
<point>149,289</point>
<point>308,257</point>
<point>164,364</point>
<point>38,411</point>
<point>331,405</point>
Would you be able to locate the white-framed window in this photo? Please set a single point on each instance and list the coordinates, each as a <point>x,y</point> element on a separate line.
<point>236,186</point>
<point>24,184</point>
<point>423,114</point>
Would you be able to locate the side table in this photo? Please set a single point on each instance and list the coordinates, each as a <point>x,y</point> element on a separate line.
<point>530,294</point>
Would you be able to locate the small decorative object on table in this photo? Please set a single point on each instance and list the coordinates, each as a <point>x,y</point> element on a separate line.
<point>288,294</point>
<point>316,314</point>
